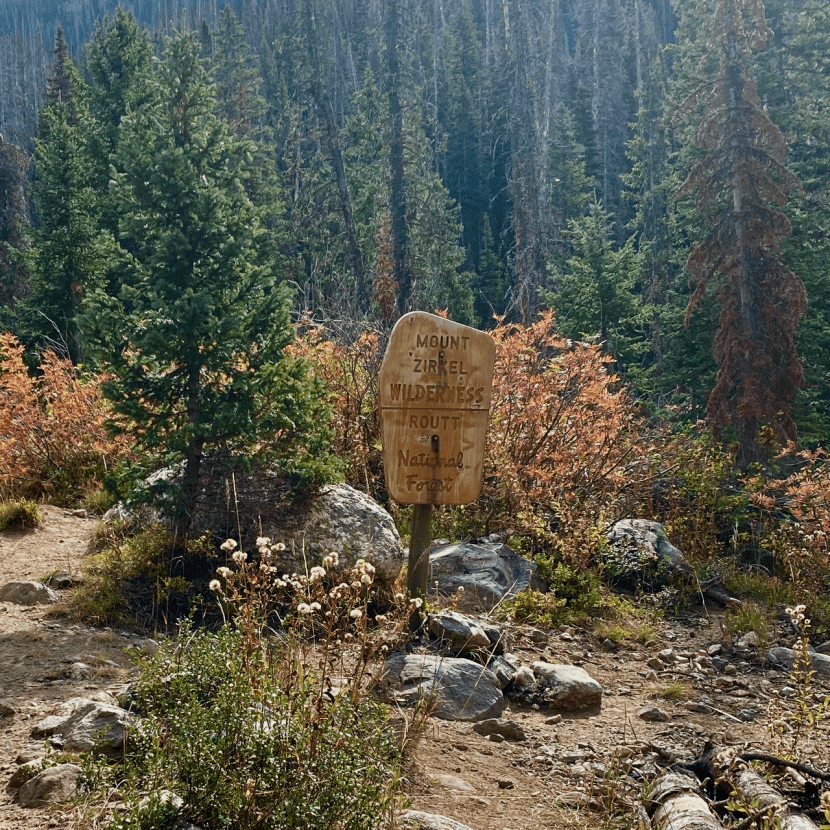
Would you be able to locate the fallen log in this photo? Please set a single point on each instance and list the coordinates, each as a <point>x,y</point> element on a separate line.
<point>754,790</point>
<point>677,805</point>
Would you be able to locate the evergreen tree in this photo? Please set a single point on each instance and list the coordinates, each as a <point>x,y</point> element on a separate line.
<point>195,337</point>
<point>14,221</point>
<point>737,182</point>
<point>68,251</point>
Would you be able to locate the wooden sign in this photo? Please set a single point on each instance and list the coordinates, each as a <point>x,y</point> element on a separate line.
<point>434,388</point>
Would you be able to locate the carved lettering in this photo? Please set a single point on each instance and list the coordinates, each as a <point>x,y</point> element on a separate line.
<point>434,485</point>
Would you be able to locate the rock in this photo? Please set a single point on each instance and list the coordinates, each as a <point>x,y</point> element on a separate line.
<point>460,688</point>
<point>88,725</point>
<point>697,706</point>
<point>25,772</point>
<point>748,715</point>
<point>487,571</point>
<point>147,645</point>
<point>567,687</point>
<point>462,633</point>
<point>508,729</point>
<point>749,640</point>
<point>347,521</point>
<point>418,820</point>
<point>668,655</point>
<point>62,580</point>
<point>653,714</point>
<point>499,639</point>
<point>553,720</point>
<point>655,663</point>
<point>730,670</point>
<point>452,782</point>
<point>824,648</point>
<point>52,786</point>
<point>524,677</point>
<point>503,670</point>
<point>641,554</point>
<point>7,707</point>
<point>786,657</point>
<point>506,784</point>
<point>714,649</point>
<point>27,593</point>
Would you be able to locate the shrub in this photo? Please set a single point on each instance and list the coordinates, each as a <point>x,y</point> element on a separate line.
<point>266,727</point>
<point>19,515</point>
<point>53,440</point>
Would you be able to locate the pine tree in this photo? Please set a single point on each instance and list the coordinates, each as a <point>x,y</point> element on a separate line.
<point>737,183</point>
<point>195,337</point>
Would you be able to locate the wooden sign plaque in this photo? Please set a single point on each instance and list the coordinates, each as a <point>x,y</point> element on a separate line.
<point>434,389</point>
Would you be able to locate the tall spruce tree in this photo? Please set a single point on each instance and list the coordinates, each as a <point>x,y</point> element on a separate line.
<point>196,334</point>
<point>738,184</point>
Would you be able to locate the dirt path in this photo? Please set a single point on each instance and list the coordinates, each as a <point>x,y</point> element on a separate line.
<point>562,776</point>
<point>40,652</point>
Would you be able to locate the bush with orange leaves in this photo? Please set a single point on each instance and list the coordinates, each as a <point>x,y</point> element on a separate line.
<point>350,371</point>
<point>53,442</point>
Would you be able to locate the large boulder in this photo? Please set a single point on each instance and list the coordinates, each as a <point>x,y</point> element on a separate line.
<point>27,593</point>
<point>640,554</point>
<point>346,521</point>
<point>334,518</point>
<point>786,657</point>
<point>419,820</point>
<point>488,571</point>
<point>458,689</point>
<point>567,687</point>
<point>86,725</point>
<point>462,633</point>
<point>52,786</point>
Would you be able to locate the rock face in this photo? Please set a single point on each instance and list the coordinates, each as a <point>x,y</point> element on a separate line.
<point>347,521</point>
<point>567,687</point>
<point>52,786</point>
<point>459,689</point>
<point>27,593</point>
<point>88,725</point>
<point>786,657</point>
<point>487,571</point>
<point>641,554</point>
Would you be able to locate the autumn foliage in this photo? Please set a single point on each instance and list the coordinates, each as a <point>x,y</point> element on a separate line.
<point>52,435</point>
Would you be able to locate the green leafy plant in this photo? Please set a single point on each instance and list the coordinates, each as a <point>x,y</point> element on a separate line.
<point>19,515</point>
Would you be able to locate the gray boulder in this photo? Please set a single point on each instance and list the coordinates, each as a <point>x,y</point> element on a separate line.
<point>641,554</point>
<point>86,725</point>
<point>567,687</point>
<point>487,571</point>
<point>508,729</point>
<point>458,689</point>
<point>786,657</point>
<point>418,820</point>
<point>461,632</point>
<point>52,786</point>
<point>347,521</point>
<point>27,593</point>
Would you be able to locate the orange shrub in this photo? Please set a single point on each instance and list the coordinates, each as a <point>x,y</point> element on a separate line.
<point>53,440</point>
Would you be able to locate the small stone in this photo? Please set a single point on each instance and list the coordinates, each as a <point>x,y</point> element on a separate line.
<point>508,729</point>
<point>524,677</point>
<point>609,645</point>
<point>537,637</point>
<point>667,655</point>
<point>749,640</point>
<point>653,713</point>
<point>696,706</point>
<point>506,784</point>
<point>496,738</point>
<point>553,720</point>
<point>714,649</point>
<point>655,663</point>
<point>748,715</point>
<point>730,670</point>
<point>7,708</point>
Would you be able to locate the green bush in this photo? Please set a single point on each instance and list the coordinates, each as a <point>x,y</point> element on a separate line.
<point>19,515</point>
<point>573,595</point>
<point>251,743</point>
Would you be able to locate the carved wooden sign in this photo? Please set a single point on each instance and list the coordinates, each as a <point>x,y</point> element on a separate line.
<point>434,389</point>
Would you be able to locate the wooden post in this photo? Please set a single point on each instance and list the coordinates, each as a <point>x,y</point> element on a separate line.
<point>419,542</point>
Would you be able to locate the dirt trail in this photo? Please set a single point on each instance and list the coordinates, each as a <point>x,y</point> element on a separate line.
<point>549,781</point>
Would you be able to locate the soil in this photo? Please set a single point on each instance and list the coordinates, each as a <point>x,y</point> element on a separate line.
<point>563,776</point>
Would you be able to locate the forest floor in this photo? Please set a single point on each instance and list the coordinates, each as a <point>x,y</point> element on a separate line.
<point>565,775</point>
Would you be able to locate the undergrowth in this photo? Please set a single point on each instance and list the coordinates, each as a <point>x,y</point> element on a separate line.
<point>268,722</point>
<point>22,514</point>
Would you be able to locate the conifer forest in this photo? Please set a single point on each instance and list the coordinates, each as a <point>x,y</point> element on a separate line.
<point>186,178</point>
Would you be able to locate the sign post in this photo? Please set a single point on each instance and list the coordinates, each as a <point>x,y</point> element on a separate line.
<point>435,385</point>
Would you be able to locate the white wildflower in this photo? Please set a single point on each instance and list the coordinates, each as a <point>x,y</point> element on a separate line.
<point>317,573</point>
<point>304,608</point>
<point>315,606</point>
<point>224,572</point>
<point>331,560</point>
<point>380,618</point>
<point>263,541</point>
<point>239,556</point>
<point>356,613</point>
<point>228,545</point>
<point>215,585</point>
